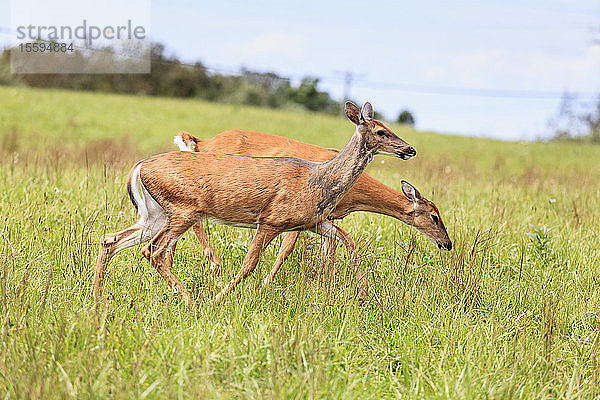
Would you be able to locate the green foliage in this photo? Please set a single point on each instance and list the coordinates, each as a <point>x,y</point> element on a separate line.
<point>170,77</point>
<point>487,320</point>
<point>6,77</point>
<point>576,120</point>
<point>541,237</point>
<point>406,118</point>
<point>311,98</point>
<point>541,240</point>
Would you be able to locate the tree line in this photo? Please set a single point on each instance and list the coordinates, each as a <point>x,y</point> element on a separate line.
<point>170,77</point>
<point>576,119</point>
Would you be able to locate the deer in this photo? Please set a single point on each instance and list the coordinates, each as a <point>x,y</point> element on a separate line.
<point>173,191</point>
<point>368,194</point>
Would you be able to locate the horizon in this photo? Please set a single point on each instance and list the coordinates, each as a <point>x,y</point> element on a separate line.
<point>495,70</point>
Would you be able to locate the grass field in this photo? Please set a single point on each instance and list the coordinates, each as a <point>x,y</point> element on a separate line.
<point>512,312</point>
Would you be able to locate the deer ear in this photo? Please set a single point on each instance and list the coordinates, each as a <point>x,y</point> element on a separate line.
<point>353,113</point>
<point>367,111</point>
<point>410,192</point>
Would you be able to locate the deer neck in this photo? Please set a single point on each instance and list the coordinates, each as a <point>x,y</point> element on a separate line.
<point>337,176</point>
<point>394,204</point>
<point>371,195</point>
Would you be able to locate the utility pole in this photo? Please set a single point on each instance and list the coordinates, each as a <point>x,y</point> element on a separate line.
<point>347,85</point>
<point>348,77</point>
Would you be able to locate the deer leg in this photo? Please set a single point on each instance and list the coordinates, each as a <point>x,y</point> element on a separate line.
<point>287,246</point>
<point>170,253</point>
<point>329,230</point>
<point>329,249</point>
<point>160,253</point>
<point>112,243</point>
<point>209,252</point>
<point>262,238</point>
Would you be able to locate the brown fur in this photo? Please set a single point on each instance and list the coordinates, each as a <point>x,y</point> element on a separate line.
<point>275,194</point>
<point>367,194</point>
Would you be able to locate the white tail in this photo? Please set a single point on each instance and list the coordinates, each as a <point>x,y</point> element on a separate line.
<point>190,146</point>
<point>152,220</point>
<point>274,195</point>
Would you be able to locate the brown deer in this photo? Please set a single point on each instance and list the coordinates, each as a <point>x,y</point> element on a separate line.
<point>367,194</point>
<point>173,191</point>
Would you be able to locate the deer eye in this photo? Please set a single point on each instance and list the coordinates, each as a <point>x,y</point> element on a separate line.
<point>435,218</point>
<point>381,132</point>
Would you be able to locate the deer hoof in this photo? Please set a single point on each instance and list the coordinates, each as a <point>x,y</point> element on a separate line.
<point>215,269</point>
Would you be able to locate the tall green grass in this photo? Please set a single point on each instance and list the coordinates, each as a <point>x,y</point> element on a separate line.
<point>512,312</point>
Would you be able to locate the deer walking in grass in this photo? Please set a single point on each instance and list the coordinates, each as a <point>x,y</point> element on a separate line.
<point>173,191</point>
<point>367,194</point>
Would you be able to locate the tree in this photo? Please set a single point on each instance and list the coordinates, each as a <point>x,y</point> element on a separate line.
<point>309,96</point>
<point>576,120</point>
<point>169,76</point>
<point>592,121</point>
<point>406,118</point>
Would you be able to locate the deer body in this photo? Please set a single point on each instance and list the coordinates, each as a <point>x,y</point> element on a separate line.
<point>257,197</point>
<point>174,191</point>
<point>367,194</point>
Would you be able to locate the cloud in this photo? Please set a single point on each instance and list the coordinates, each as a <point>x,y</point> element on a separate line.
<point>275,44</point>
<point>577,73</point>
<point>497,68</point>
<point>476,68</point>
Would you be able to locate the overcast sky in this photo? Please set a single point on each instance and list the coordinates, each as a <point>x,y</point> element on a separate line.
<point>427,56</point>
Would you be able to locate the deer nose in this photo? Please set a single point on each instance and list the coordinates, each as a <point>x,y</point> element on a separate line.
<point>405,154</point>
<point>445,246</point>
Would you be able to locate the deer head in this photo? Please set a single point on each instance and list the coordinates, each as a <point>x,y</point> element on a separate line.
<point>376,135</point>
<point>426,217</point>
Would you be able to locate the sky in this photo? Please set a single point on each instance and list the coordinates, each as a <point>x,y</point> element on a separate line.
<point>435,58</point>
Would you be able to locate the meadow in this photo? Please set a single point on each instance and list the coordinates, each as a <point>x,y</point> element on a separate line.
<point>513,311</point>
